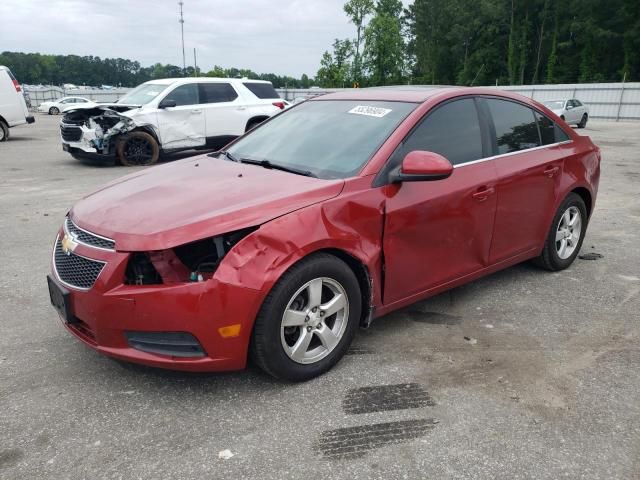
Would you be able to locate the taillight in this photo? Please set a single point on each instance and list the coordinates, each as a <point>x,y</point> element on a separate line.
<point>280,105</point>
<point>17,85</point>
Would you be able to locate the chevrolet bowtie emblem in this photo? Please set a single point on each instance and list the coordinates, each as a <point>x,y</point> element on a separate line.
<point>68,244</point>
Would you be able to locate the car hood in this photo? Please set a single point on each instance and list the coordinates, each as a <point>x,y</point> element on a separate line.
<point>184,201</point>
<point>558,112</point>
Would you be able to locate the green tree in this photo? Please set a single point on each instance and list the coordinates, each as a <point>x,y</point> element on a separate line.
<point>357,11</point>
<point>384,45</point>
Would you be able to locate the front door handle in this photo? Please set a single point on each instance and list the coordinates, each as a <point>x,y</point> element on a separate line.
<point>197,110</point>
<point>483,193</point>
<point>551,171</point>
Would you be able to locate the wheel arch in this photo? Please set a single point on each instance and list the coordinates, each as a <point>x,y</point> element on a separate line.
<point>587,198</point>
<point>255,119</point>
<point>361,272</point>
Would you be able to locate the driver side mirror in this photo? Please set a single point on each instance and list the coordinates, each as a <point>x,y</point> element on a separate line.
<point>569,107</point>
<point>167,103</point>
<point>421,166</point>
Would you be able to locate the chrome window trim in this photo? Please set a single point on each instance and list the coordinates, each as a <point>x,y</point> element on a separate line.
<point>473,162</point>
<point>66,230</point>
<point>55,270</point>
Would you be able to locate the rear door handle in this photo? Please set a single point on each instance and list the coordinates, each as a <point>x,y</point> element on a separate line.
<point>551,171</point>
<point>241,108</point>
<point>197,110</point>
<point>484,193</point>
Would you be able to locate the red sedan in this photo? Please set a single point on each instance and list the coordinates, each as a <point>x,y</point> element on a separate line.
<point>339,210</point>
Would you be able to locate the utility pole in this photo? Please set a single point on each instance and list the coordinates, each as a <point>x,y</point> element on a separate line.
<point>195,63</point>
<point>184,60</point>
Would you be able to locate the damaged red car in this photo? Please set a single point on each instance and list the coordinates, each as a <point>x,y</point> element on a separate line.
<point>339,210</point>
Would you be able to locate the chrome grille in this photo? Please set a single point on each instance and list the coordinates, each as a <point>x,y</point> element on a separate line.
<point>70,133</point>
<point>74,270</point>
<point>88,238</point>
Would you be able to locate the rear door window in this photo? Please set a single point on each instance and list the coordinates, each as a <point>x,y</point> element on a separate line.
<point>262,90</point>
<point>217,93</point>
<point>550,132</point>
<point>451,130</point>
<point>184,95</point>
<point>516,126</point>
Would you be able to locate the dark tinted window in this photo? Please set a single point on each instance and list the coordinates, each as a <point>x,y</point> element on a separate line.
<point>516,126</point>
<point>550,131</point>
<point>262,90</point>
<point>217,93</point>
<point>452,130</point>
<point>184,95</point>
<point>577,103</point>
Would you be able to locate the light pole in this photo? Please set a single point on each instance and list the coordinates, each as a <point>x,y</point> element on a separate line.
<point>184,60</point>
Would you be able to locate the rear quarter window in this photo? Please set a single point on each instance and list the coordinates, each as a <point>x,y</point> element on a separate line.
<point>217,93</point>
<point>550,132</point>
<point>262,90</point>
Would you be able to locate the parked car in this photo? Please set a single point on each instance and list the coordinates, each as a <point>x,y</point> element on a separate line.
<point>54,107</point>
<point>168,116</point>
<point>13,106</point>
<point>341,209</point>
<point>572,111</point>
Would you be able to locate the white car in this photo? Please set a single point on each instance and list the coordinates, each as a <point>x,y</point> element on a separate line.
<point>572,111</point>
<point>13,106</point>
<point>167,116</point>
<point>56,106</point>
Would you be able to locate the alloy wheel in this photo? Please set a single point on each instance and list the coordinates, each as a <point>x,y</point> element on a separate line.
<point>315,320</point>
<point>138,151</point>
<point>568,232</point>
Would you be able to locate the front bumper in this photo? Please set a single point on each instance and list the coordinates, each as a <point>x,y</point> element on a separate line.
<point>106,314</point>
<point>89,157</point>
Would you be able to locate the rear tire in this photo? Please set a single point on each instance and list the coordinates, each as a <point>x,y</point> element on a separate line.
<point>4,131</point>
<point>137,149</point>
<point>54,111</point>
<point>565,236</point>
<point>308,320</point>
<point>583,121</point>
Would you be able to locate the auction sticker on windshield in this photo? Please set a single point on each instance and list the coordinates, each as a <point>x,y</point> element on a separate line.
<point>370,111</point>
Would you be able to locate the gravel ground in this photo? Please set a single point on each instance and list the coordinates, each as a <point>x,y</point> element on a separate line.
<point>547,386</point>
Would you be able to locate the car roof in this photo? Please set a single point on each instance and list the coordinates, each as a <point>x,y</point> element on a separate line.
<point>171,81</point>
<point>419,93</point>
<point>400,93</point>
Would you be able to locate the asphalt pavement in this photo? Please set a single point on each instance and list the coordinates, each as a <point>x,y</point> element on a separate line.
<point>523,374</point>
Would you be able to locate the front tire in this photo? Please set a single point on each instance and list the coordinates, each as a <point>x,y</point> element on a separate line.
<point>4,131</point>
<point>308,320</point>
<point>566,235</point>
<point>54,111</point>
<point>137,149</point>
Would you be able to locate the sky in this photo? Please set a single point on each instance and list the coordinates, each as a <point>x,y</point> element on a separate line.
<point>286,37</point>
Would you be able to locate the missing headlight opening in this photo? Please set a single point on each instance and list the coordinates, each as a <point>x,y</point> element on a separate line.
<point>193,262</point>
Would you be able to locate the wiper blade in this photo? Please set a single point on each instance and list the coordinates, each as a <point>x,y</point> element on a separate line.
<point>230,156</point>
<point>275,166</point>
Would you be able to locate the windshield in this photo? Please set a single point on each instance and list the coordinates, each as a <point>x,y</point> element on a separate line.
<point>143,94</point>
<point>328,138</point>
<point>555,105</point>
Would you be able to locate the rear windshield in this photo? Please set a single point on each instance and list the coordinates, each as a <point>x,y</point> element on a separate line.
<point>329,138</point>
<point>262,90</point>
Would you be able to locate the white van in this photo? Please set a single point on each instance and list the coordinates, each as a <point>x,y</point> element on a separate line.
<point>13,108</point>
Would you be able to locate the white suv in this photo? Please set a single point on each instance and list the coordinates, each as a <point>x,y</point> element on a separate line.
<point>167,116</point>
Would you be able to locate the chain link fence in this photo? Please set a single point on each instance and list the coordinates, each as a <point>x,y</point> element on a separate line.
<point>606,101</point>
